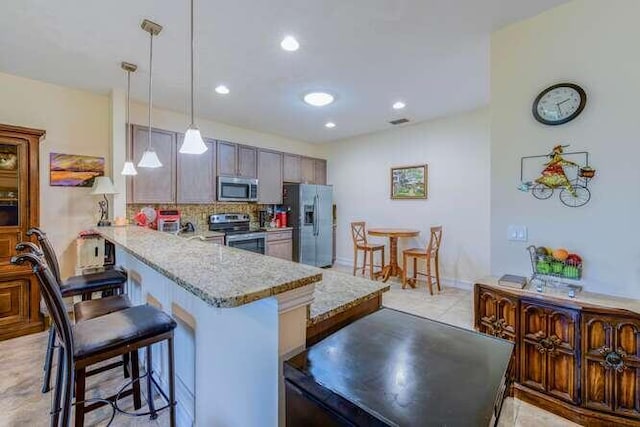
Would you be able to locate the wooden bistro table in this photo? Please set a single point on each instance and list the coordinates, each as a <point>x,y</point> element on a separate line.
<point>392,269</point>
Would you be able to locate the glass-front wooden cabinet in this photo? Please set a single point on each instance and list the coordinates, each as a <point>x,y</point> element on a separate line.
<point>19,211</point>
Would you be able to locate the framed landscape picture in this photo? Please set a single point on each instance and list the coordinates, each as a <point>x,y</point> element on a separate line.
<point>409,182</point>
<point>71,170</point>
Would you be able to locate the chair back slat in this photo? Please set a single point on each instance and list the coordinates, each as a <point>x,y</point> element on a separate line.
<point>435,239</point>
<point>49,254</point>
<point>358,233</point>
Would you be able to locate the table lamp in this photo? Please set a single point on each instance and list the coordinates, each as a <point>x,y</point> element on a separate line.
<point>102,185</point>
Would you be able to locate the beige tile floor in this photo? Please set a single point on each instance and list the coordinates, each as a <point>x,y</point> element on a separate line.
<point>455,307</point>
<point>22,404</point>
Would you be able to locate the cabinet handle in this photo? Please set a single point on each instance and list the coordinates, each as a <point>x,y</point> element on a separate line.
<point>613,359</point>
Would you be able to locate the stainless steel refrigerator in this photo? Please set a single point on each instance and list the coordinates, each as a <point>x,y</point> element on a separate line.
<point>311,218</point>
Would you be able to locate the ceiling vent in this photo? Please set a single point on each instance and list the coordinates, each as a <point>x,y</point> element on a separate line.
<point>399,121</point>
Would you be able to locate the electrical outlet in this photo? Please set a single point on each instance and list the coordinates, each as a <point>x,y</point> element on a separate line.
<point>517,233</point>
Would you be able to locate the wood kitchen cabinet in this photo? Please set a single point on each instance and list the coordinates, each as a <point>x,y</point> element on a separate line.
<point>549,359</point>
<point>307,170</point>
<point>196,174</point>
<point>19,211</point>
<point>280,244</point>
<point>320,172</point>
<point>611,364</point>
<point>291,168</point>
<point>270,177</point>
<point>237,160</point>
<point>153,185</point>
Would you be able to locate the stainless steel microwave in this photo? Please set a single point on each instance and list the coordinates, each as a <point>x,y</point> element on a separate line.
<point>232,189</point>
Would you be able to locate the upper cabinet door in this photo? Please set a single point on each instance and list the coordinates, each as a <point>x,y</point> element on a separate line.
<point>197,175</point>
<point>320,171</point>
<point>154,185</point>
<point>247,162</point>
<point>307,170</point>
<point>291,168</point>
<point>269,177</point>
<point>227,158</point>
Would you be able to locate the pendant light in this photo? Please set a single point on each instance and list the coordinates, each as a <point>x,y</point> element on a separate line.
<point>149,157</point>
<point>128,168</point>
<point>193,143</point>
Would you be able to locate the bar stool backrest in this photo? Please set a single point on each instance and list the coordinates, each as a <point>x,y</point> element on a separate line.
<point>47,249</point>
<point>358,233</point>
<point>435,239</point>
<point>50,290</point>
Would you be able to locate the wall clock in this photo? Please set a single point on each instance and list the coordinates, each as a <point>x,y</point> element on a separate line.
<point>559,104</point>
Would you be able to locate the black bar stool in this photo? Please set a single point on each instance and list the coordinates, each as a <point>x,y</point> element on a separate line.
<point>109,281</point>
<point>96,340</point>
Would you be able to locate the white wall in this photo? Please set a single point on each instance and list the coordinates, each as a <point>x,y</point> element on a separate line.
<point>595,44</point>
<point>77,122</point>
<point>457,152</point>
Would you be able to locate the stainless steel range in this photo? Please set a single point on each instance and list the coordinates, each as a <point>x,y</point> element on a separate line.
<point>237,232</point>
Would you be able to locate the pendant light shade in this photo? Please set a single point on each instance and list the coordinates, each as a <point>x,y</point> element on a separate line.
<point>193,143</point>
<point>128,169</point>
<point>149,157</point>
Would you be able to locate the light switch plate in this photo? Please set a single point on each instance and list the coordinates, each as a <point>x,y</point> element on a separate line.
<point>517,233</point>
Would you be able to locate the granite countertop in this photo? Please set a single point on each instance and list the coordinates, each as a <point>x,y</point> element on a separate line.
<point>338,292</point>
<point>204,233</point>
<point>582,298</point>
<point>219,275</point>
<point>272,229</point>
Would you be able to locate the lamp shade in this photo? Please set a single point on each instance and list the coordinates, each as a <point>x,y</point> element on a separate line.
<point>129,169</point>
<point>149,160</point>
<point>193,143</point>
<point>103,185</point>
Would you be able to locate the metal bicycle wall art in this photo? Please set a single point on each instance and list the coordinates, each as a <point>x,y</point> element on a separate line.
<point>570,177</point>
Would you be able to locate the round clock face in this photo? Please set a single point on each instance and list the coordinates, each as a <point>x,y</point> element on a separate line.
<point>559,104</point>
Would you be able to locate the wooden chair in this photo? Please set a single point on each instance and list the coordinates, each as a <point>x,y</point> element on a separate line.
<point>96,340</point>
<point>359,236</point>
<point>430,254</point>
<point>110,281</point>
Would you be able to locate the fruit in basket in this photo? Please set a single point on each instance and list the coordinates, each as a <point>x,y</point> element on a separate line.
<point>571,272</point>
<point>560,254</point>
<point>574,259</point>
<point>557,267</point>
<point>543,267</point>
<point>541,251</point>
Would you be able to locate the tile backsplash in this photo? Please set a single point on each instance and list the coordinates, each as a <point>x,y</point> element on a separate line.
<point>198,214</point>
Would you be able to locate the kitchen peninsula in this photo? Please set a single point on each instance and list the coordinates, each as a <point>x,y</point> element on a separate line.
<point>238,315</point>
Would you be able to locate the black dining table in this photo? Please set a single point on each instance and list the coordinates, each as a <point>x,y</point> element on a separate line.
<point>395,369</point>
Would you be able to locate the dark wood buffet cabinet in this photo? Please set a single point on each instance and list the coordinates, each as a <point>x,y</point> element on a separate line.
<point>576,359</point>
<point>19,211</point>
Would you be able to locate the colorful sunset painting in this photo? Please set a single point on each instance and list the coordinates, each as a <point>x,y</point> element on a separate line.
<point>70,170</point>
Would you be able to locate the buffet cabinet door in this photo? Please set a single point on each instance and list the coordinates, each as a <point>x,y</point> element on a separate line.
<point>497,315</point>
<point>611,364</point>
<point>549,359</point>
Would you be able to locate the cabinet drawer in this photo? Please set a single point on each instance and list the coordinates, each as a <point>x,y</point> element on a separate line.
<point>274,236</point>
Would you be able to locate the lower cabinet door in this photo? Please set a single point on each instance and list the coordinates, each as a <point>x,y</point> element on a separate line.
<point>14,301</point>
<point>280,249</point>
<point>533,360</point>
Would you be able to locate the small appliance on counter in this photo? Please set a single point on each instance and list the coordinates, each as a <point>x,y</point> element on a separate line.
<point>168,220</point>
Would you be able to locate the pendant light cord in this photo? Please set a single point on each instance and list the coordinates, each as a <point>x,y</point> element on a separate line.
<point>192,49</point>
<point>150,88</point>
<point>128,116</point>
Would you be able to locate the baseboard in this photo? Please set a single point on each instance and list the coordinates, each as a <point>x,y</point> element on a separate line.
<point>446,281</point>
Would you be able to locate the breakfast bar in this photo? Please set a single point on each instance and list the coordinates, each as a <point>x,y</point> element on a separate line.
<point>239,314</point>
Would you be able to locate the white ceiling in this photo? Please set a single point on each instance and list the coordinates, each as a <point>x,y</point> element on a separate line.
<point>433,54</point>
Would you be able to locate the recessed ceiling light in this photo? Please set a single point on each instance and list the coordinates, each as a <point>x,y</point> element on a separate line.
<point>290,44</point>
<point>330,125</point>
<point>222,90</point>
<point>399,105</point>
<point>318,99</point>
